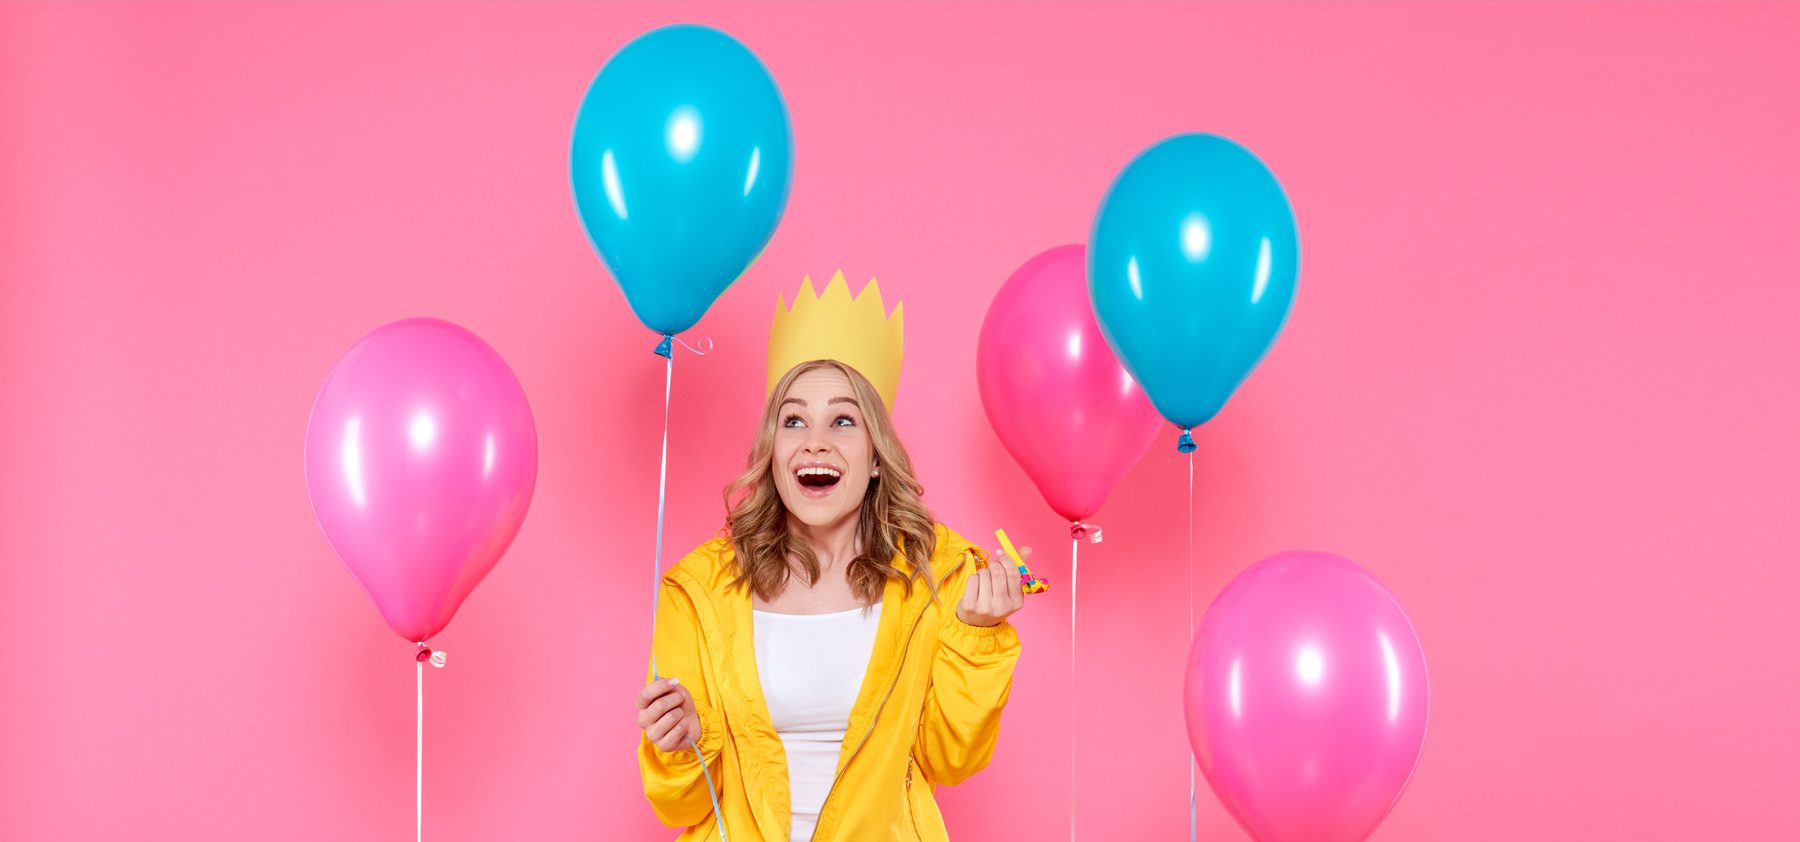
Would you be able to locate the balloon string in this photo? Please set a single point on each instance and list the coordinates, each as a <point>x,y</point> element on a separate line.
<point>666,347</point>
<point>1193,810</point>
<point>1074,571</point>
<point>662,494</point>
<point>662,497</point>
<point>718,817</point>
<point>666,351</point>
<point>419,751</point>
<point>424,656</point>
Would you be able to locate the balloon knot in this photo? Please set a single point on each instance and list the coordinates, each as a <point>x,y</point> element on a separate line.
<point>427,655</point>
<point>666,347</point>
<point>1090,531</point>
<point>1185,444</point>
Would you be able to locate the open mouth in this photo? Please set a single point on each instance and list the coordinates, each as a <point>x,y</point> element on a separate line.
<point>817,480</point>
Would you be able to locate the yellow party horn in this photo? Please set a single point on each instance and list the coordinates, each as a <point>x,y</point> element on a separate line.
<point>1027,580</point>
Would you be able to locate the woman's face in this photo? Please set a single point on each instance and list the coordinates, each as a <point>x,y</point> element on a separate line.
<point>823,455</point>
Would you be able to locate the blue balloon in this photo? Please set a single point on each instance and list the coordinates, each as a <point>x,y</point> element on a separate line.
<point>1192,266</point>
<point>681,161</point>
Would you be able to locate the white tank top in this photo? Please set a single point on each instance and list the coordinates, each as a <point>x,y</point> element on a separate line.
<point>812,666</point>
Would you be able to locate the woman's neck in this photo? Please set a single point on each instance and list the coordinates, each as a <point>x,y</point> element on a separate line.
<point>833,544</point>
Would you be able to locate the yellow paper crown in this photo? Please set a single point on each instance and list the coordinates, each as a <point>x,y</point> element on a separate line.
<point>857,332</point>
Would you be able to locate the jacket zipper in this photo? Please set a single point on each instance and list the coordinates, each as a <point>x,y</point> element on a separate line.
<point>905,649</point>
<point>912,814</point>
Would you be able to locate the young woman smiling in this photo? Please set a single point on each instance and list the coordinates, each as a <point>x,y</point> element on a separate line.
<point>835,655</point>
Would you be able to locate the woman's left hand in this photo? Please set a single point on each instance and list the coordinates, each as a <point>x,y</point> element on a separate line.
<point>993,591</point>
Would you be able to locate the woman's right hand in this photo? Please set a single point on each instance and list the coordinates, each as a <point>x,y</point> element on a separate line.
<point>665,710</point>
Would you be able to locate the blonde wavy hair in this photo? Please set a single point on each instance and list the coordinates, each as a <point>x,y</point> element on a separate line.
<point>892,519</point>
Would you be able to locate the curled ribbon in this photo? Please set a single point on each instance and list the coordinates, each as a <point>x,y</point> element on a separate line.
<point>1090,531</point>
<point>666,348</point>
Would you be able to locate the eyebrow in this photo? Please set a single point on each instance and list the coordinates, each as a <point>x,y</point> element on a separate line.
<point>838,399</point>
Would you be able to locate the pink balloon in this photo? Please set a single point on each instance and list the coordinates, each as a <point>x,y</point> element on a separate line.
<point>421,456</point>
<point>1063,405</point>
<point>1306,699</point>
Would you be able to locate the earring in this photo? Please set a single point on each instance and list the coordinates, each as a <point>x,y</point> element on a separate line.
<point>876,472</point>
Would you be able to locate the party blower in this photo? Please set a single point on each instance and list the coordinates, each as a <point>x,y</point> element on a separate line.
<point>1028,580</point>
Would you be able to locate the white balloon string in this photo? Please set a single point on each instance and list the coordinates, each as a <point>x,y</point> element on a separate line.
<point>718,817</point>
<point>424,655</point>
<point>662,493</point>
<point>699,349</point>
<point>662,497</point>
<point>1193,809</point>
<point>1074,573</point>
<point>419,751</point>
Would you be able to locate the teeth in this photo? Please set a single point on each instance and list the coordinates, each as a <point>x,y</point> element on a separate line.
<point>813,472</point>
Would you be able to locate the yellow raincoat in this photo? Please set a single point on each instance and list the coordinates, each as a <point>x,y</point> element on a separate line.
<point>928,712</point>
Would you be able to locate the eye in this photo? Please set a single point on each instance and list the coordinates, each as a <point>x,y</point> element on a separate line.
<point>844,421</point>
<point>792,421</point>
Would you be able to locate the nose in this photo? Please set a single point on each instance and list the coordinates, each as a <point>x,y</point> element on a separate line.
<point>815,442</point>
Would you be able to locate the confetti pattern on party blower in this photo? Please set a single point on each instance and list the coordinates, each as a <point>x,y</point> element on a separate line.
<point>1031,582</point>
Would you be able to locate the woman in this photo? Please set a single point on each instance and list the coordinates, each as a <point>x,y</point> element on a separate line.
<point>833,619</point>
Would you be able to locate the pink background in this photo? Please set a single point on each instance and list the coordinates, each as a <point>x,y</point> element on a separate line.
<point>1539,378</point>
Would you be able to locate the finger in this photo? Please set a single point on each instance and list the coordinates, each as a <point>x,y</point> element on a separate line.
<point>672,722</point>
<point>646,716</point>
<point>686,729</point>
<point>977,588</point>
<point>677,733</point>
<point>652,690</point>
<point>677,737</point>
<point>659,730</point>
<point>686,734</point>
<point>994,589</point>
<point>646,713</point>
<point>662,705</point>
<point>669,701</point>
<point>683,701</point>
